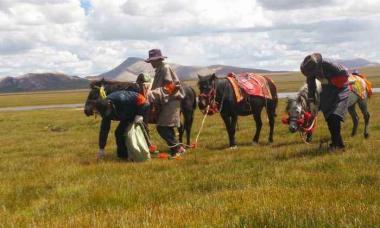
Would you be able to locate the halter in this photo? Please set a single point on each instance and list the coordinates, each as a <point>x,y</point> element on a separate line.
<point>102,92</point>
<point>306,121</point>
<point>213,105</point>
<point>102,96</point>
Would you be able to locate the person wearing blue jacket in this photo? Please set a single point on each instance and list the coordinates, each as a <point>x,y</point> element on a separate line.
<point>124,106</point>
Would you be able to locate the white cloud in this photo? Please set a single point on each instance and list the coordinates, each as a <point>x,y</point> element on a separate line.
<point>60,35</point>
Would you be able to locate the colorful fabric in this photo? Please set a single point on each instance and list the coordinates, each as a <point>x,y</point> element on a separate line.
<point>235,86</point>
<point>339,81</point>
<point>358,85</point>
<point>140,99</point>
<point>254,84</point>
<point>369,85</point>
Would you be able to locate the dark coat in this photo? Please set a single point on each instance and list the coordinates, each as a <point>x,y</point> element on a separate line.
<point>125,106</point>
<point>333,100</point>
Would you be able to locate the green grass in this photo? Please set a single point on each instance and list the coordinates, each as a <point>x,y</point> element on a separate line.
<point>43,98</point>
<point>49,177</point>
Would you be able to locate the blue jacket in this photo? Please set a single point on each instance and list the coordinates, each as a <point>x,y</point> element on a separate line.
<point>125,106</point>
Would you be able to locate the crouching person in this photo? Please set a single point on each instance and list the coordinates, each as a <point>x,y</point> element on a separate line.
<point>126,107</point>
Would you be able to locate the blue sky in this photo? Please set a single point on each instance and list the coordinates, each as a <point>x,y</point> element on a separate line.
<point>86,5</point>
<point>89,37</point>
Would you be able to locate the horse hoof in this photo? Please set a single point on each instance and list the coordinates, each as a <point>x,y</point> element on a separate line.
<point>233,147</point>
<point>254,143</point>
<point>366,135</point>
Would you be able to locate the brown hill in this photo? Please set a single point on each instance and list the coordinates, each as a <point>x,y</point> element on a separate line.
<point>131,67</point>
<point>43,81</point>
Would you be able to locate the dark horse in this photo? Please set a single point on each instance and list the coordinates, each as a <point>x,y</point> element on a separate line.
<point>217,93</point>
<point>188,104</point>
<point>298,107</point>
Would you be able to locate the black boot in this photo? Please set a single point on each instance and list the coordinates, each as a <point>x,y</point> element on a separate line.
<point>336,138</point>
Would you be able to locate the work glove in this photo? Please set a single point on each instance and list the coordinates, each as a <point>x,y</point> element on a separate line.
<point>100,155</point>
<point>138,119</point>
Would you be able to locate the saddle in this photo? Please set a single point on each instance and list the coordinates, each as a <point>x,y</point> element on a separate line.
<point>251,84</point>
<point>360,86</point>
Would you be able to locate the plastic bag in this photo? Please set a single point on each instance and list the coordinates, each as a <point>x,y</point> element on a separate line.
<point>137,145</point>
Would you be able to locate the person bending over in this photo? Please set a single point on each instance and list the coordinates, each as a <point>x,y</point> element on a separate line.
<point>334,95</point>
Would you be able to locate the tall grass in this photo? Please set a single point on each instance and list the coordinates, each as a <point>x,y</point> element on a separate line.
<point>49,177</point>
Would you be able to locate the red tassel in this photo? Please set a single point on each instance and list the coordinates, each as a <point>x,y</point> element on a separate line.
<point>285,120</point>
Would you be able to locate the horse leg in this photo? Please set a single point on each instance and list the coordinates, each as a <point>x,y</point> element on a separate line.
<point>231,133</point>
<point>256,109</point>
<point>364,109</point>
<point>271,114</point>
<point>180,132</point>
<point>188,123</point>
<point>355,119</point>
<point>233,128</point>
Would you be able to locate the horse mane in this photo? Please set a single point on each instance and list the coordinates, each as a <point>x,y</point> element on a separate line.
<point>302,94</point>
<point>112,85</point>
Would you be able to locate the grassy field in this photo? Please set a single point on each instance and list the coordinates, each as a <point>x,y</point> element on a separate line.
<point>43,98</point>
<point>49,177</point>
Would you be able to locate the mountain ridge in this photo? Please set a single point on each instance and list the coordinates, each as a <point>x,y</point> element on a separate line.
<point>42,81</point>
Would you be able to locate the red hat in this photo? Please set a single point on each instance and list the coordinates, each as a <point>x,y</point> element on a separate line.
<point>155,54</point>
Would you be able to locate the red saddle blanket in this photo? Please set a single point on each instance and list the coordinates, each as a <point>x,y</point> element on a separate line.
<point>254,84</point>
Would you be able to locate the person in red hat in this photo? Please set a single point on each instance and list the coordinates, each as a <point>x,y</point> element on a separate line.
<point>166,94</point>
<point>334,95</point>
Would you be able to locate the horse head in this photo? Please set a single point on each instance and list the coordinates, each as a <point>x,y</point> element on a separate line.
<point>96,91</point>
<point>294,111</point>
<point>206,85</point>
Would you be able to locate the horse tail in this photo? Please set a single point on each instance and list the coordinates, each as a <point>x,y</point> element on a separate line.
<point>273,91</point>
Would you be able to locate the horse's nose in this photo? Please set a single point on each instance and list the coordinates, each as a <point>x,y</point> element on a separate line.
<point>201,104</point>
<point>293,128</point>
<point>88,111</point>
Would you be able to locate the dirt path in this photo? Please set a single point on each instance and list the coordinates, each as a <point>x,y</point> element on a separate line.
<point>39,107</point>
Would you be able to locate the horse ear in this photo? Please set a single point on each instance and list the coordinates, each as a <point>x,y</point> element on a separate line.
<point>213,76</point>
<point>199,77</point>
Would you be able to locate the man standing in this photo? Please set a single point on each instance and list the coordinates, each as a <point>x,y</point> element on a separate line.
<point>334,95</point>
<point>166,94</point>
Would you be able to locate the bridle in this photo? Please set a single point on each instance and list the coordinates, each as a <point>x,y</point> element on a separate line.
<point>102,96</point>
<point>210,97</point>
<point>306,121</point>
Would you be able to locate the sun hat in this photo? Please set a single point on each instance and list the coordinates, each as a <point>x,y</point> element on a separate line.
<point>155,54</point>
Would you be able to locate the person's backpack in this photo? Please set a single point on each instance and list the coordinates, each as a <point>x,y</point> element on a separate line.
<point>136,142</point>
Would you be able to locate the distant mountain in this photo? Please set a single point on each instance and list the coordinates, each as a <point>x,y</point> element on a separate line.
<point>356,63</point>
<point>43,81</point>
<point>131,67</point>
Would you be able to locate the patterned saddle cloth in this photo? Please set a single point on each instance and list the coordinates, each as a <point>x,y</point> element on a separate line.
<point>359,86</point>
<point>251,83</point>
